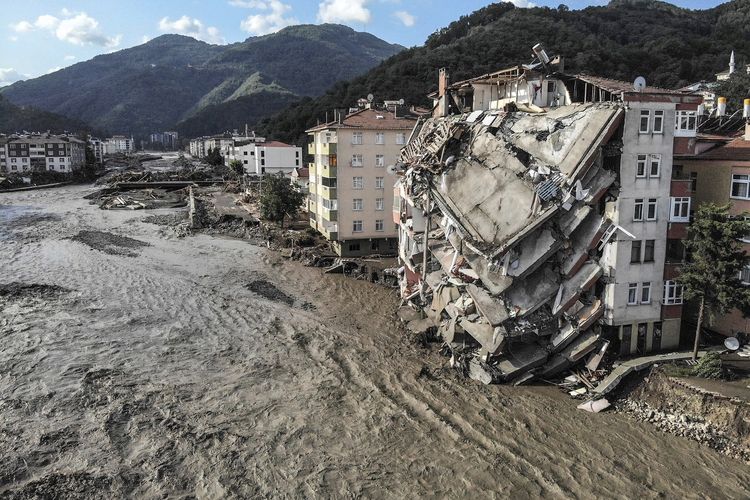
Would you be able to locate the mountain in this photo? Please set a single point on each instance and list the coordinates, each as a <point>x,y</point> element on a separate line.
<point>17,119</point>
<point>171,78</point>
<point>670,46</point>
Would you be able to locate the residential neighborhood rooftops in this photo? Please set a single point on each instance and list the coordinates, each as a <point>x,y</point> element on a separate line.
<point>737,149</point>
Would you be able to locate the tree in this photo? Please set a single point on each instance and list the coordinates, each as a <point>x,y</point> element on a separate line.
<point>213,157</point>
<point>237,167</point>
<point>716,259</point>
<point>735,89</point>
<point>279,199</point>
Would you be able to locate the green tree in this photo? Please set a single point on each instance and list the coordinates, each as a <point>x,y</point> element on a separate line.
<point>735,89</point>
<point>213,157</point>
<point>279,199</point>
<point>716,258</point>
<point>237,167</point>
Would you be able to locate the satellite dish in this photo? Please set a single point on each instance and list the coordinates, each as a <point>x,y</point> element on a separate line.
<point>732,343</point>
<point>401,102</point>
<point>639,84</point>
<point>370,97</point>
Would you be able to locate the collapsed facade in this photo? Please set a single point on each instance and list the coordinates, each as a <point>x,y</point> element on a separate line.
<point>534,212</point>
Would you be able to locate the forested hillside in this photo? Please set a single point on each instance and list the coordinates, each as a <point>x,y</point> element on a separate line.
<point>668,45</point>
<point>17,119</point>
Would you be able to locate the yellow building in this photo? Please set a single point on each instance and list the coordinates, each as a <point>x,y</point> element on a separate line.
<point>351,186</point>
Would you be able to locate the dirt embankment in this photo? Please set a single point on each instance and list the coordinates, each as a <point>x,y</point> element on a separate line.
<point>676,406</point>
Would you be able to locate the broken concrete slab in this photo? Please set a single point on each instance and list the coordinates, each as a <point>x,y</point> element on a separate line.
<point>491,308</point>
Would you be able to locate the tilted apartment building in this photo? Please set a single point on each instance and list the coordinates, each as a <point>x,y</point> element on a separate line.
<point>351,186</point>
<point>40,152</point>
<point>547,204</point>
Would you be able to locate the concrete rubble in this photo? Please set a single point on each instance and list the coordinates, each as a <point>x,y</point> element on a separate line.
<point>511,207</point>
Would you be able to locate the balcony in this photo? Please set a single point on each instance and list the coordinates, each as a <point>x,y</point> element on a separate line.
<point>330,214</point>
<point>323,148</point>
<point>328,192</point>
<point>328,171</point>
<point>330,231</point>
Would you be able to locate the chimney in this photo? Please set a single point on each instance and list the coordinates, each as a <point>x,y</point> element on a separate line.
<point>747,130</point>
<point>443,82</point>
<point>721,108</point>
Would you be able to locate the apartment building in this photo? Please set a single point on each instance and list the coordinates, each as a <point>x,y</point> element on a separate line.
<point>35,153</point>
<point>119,144</point>
<point>619,269</point>
<point>97,147</point>
<point>168,141</point>
<point>259,156</point>
<point>717,169</point>
<point>351,186</point>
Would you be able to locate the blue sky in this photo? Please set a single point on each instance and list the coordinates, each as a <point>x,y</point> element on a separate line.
<point>46,35</point>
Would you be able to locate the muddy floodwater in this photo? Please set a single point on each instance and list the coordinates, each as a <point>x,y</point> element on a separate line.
<point>137,364</point>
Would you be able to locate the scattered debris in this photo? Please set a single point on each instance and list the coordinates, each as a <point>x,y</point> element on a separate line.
<point>21,291</point>
<point>109,243</point>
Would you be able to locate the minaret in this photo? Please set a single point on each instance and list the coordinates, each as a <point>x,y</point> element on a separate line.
<point>732,65</point>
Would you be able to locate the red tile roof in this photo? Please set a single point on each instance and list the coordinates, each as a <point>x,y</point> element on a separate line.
<point>371,119</point>
<point>611,85</point>
<point>736,150</point>
<point>274,144</point>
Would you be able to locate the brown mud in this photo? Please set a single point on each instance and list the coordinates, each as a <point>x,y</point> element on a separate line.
<point>162,374</point>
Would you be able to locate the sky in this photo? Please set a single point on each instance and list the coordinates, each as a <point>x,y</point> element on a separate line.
<point>47,35</point>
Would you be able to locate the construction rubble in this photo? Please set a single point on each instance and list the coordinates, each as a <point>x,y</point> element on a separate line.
<point>512,206</point>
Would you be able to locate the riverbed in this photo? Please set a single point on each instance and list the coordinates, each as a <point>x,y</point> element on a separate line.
<point>135,363</point>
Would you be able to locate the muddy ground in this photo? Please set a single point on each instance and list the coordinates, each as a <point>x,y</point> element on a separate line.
<point>178,371</point>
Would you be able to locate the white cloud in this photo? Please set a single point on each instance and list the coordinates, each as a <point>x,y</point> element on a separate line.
<point>52,70</point>
<point>522,3</point>
<point>191,27</point>
<point>22,27</point>
<point>271,21</point>
<point>145,38</point>
<point>405,18</point>
<point>76,28</point>
<point>344,11</point>
<point>69,58</point>
<point>10,75</point>
<point>13,38</point>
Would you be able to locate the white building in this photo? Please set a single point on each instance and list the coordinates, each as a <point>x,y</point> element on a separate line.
<point>35,153</point>
<point>97,146</point>
<point>119,144</point>
<point>265,157</point>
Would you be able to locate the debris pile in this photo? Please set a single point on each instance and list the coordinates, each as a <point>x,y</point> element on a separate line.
<point>503,219</point>
<point>137,199</point>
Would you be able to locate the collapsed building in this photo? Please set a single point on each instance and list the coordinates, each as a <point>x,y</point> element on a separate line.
<point>534,215</point>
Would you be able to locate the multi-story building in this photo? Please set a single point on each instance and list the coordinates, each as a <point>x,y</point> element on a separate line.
<point>168,141</point>
<point>629,272</point>
<point>35,153</point>
<point>261,157</point>
<point>351,186</point>
<point>119,144</point>
<point>97,147</point>
<point>717,170</point>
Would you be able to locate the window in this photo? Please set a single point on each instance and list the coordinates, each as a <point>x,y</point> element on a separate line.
<point>379,225</point>
<point>645,118</point>
<point>745,275</point>
<point>741,186</point>
<point>646,292</point>
<point>651,209</point>
<point>357,161</point>
<point>693,181</point>
<point>627,333</point>
<point>379,183</point>
<point>638,209</point>
<point>245,162</point>
<point>658,121</point>
<point>679,210</point>
<point>357,138</point>
<point>672,293</point>
<point>244,153</point>
<point>640,166</point>
<point>635,252</point>
<point>357,226</point>
<point>379,138</point>
<point>655,166</point>
<point>379,204</point>
<point>357,204</point>
<point>354,247</point>
<point>358,182</point>
<point>52,160</point>
<point>379,161</point>
<point>632,293</point>
<point>685,122</point>
<point>400,138</point>
<point>648,251</point>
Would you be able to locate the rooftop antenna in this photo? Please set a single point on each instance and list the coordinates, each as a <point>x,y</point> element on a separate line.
<point>639,84</point>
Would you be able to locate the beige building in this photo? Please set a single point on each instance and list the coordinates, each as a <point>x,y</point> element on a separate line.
<point>351,187</point>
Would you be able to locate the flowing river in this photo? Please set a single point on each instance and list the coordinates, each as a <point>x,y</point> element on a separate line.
<point>134,363</point>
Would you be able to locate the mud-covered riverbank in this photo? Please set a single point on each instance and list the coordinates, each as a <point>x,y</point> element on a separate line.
<point>138,364</point>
